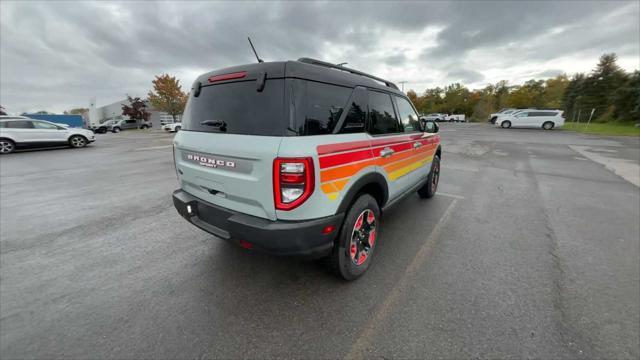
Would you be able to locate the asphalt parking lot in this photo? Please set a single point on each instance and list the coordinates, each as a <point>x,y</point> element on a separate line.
<point>530,250</point>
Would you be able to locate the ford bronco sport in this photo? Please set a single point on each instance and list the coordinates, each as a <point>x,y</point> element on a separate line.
<point>301,158</point>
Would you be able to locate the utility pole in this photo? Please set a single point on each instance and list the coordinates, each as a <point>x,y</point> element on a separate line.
<point>402,83</point>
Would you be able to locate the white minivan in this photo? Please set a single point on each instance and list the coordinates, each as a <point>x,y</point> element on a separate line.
<point>532,118</point>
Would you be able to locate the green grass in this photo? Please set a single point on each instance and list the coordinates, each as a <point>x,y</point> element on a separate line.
<point>615,129</point>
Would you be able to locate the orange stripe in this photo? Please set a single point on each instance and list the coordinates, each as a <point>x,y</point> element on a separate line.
<point>344,171</point>
<point>334,186</point>
<point>351,169</point>
<point>400,164</point>
<point>403,155</point>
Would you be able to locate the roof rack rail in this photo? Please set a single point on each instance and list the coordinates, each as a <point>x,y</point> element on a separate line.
<point>334,66</point>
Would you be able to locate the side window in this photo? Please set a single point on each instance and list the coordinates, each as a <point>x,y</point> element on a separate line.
<point>356,117</point>
<point>522,114</point>
<point>324,106</point>
<point>131,121</point>
<point>44,125</point>
<point>408,116</point>
<point>381,115</point>
<point>20,124</point>
<point>3,124</point>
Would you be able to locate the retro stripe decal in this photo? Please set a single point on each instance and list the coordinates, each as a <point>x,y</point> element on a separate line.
<point>339,162</point>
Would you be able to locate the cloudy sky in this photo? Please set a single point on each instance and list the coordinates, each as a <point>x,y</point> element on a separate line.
<point>57,55</point>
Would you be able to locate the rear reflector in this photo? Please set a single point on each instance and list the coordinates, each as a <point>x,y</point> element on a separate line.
<point>230,76</point>
<point>328,229</point>
<point>245,244</point>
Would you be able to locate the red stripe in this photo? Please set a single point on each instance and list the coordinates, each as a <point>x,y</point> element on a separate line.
<point>345,158</point>
<point>357,145</point>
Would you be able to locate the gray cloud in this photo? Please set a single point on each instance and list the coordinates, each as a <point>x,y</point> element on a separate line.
<point>56,55</point>
<point>548,73</point>
<point>465,76</point>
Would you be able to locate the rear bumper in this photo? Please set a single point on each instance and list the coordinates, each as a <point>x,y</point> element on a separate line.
<point>291,238</point>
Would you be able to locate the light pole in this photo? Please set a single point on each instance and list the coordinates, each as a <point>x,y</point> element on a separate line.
<point>402,84</point>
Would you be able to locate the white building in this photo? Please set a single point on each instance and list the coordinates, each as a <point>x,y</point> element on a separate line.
<point>113,111</point>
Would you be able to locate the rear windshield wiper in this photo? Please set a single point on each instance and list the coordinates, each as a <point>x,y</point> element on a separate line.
<point>215,123</point>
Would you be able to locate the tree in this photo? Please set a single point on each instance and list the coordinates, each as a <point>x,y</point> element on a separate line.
<point>571,95</point>
<point>2,111</point>
<point>76,111</point>
<point>599,87</point>
<point>167,95</point>
<point>626,99</point>
<point>554,89</point>
<point>136,110</point>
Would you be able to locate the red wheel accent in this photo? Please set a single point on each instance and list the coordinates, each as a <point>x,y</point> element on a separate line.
<point>363,237</point>
<point>362,258</point>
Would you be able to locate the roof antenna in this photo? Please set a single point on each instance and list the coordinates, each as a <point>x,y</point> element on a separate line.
<point>254,50</point>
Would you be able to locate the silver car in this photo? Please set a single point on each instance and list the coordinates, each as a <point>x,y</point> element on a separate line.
<point>24,132</point>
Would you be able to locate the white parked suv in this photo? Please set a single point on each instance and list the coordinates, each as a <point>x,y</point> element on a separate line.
<point>19,132</point>
<point>532,118</point>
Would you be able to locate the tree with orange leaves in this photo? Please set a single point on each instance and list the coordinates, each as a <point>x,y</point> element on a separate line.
<point>167,95</point>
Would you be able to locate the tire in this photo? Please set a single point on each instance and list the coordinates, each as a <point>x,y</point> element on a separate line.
<point>429,189</point>
<point>7,146</point>
<point>144,127</point>
<point>78,141</point>
<point>548,125</point>
<point>506,124</point>
<point>437,120</point>
<point>352,254</point>
<point>178,128</point>
<point>115,130</point>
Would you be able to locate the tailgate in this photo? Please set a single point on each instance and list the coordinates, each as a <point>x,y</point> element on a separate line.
<point>229,170</point>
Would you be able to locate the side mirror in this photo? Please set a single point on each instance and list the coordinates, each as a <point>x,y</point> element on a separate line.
<point>429,126</point>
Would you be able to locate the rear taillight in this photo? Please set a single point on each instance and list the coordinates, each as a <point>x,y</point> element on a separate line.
<point>292,182</point>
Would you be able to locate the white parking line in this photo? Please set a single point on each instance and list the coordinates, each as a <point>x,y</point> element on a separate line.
<point>626,169</point>
<point>363,342</point>
<point>459,197</point>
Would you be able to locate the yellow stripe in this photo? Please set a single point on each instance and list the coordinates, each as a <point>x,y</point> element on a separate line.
<point>409,168</point>
<point>333,196</point>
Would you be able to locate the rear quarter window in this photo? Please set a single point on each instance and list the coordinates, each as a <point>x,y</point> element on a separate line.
<point>239,107</point>
<point>382,115</point>
<point>317,107</point>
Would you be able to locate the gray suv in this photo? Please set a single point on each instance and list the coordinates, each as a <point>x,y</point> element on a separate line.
<point>125,124</point>
<point>301,158</point>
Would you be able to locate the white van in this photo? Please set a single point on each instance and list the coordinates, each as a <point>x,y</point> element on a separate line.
<point>532,118</point>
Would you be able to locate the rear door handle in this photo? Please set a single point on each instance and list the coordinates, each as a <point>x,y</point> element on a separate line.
<point>417,144</point>
<point>386,152</point>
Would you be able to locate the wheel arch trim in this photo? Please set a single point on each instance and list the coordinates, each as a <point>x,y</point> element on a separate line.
<point>372,179</point>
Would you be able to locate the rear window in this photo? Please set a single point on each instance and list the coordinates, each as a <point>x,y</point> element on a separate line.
<point>237,108</point>
<point>19,124</point>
